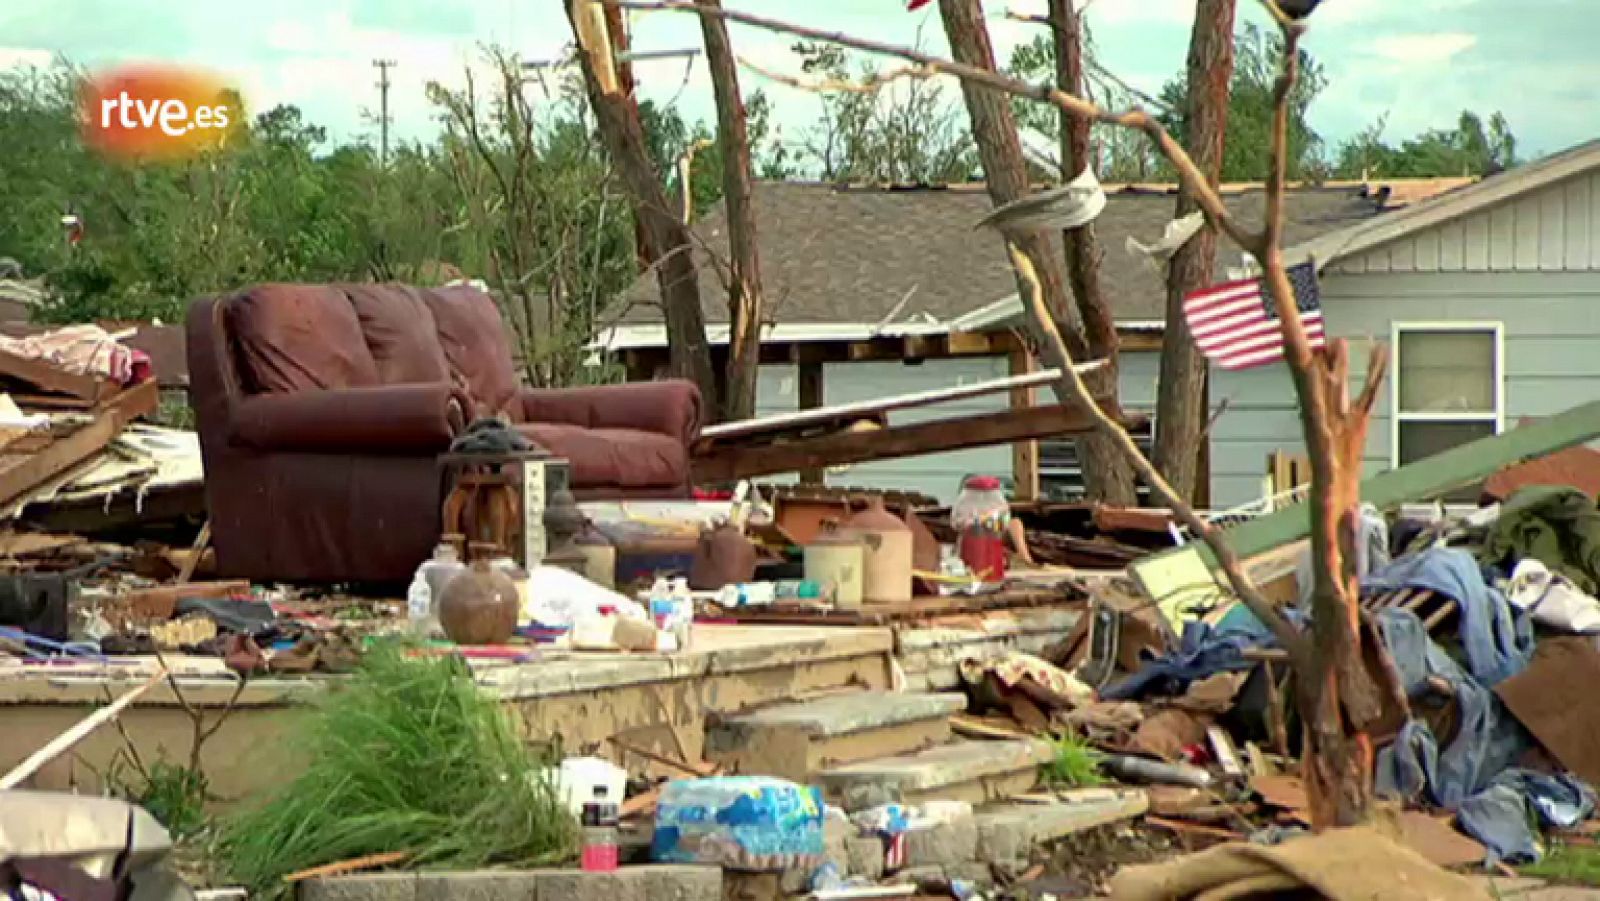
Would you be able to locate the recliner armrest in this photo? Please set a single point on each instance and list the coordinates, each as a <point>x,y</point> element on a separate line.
<point>383,419</point>
<point>670,407</point>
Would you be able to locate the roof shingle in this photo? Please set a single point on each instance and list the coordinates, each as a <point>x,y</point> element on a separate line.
<point>850,254</point>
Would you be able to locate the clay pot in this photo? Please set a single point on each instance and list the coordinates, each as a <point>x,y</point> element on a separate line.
<point>887,560</point>
<point>479,606</point>
<point>723,557</point>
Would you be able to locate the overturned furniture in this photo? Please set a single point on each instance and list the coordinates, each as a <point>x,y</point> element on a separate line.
<point>323,409</point>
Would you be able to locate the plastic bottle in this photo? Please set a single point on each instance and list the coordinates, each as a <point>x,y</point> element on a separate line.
<point>683,613</point>
<point>419,604</point>
<point>599,854</point>
<point>661,613</point>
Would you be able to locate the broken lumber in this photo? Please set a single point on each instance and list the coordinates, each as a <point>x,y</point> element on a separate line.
<point>728,463</point>
<point>1430,477</point>
<point>20,473</point>
<point>353,865</point>
<point>159,602</point>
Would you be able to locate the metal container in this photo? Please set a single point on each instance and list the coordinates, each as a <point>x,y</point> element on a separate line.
<point>837,561</point>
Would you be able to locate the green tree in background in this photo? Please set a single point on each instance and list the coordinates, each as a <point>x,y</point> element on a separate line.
<point>1470,149</point>
<point>1245,155</point>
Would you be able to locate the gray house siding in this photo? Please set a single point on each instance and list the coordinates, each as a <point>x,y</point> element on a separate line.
<point>938,475</point>
<point>1531,264</point>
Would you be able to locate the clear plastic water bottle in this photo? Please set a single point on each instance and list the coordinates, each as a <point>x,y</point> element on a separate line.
<point>662,609</point>
<point>419,604</point>
<point>683,613</point>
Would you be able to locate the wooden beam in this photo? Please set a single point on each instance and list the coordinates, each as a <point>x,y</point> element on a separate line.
<point>790,421</point>
<point>1432,477</point>
<point>727,464</point>
<point>811,398</point>
<point>967,344</point>
<point>1024,454</point>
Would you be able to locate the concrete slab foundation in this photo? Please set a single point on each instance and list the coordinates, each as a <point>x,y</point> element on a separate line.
<point>648,883</point>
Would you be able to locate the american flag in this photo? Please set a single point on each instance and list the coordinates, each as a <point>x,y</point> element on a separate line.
<point>1236,324</point>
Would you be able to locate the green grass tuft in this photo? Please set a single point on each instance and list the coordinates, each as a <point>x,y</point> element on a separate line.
<point>1075,764</point>
<point>1566,864</point>
<point>409,756</point>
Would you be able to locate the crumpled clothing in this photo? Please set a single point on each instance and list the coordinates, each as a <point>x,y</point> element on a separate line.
<point>1557,526</point>
<point>83,350</point>
<point>1498,640</point>
<point>1474,775</point>
<point>1499,815</point>
<point>1488,740</point>
<point>1551,599</point>
<point>1016,666</point>
<point>1372,552</point>
<point>1203,651</point>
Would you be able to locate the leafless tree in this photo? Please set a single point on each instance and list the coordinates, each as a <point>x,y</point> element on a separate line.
<point>1338,699</point>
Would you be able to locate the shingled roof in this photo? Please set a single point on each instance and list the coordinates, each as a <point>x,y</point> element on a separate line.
<point>850,254</point>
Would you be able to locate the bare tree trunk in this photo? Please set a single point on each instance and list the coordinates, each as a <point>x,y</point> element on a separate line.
<point>1106,474</point>
<point>1115,477</point>
<point>1180,398</point>
<point>744,283</point>
<point>1337,697</point>
<point>667,244</point>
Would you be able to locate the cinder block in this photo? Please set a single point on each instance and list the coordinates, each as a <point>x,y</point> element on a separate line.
<point>1003,837</point>
<point>682,883</point>
<point>946,843</point>
<point>626,884</point>
<point>479,885</point>
<point>362,887</point>
<point>865,855</point>
<point>978,874</point>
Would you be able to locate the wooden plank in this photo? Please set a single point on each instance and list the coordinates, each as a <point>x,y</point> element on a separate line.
<point>66,740</point>
<point>1432,477</point>
<point>788,421</point>
<point>1452,246</point>
<point>111,418</point>
<point>1576,255</point>
<point>811,398</point>
<point>53,379</point>
<point>1526,215</point>
<point>1427,251</point>
<point>1024,454</point>
<point>1552,230</point>
<point>726,464</point>
<point>1476,252</point>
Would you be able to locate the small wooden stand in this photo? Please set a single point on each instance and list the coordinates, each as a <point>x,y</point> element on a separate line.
<point>516,503</point>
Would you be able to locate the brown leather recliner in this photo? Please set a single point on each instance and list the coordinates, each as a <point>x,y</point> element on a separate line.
<point>322,410</point>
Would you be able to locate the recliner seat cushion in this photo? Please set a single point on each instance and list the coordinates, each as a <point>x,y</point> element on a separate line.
<point>475,345</point>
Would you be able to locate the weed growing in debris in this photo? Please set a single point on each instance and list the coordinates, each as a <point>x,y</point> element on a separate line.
<point>1567,864</point>
<point>175,795</point>
<point>409,757</point>
<point>1074,765</point>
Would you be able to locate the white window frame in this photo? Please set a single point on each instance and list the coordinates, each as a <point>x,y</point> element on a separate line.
<point>1396,417</point>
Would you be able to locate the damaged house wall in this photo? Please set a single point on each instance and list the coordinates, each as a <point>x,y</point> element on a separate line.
<point>1489,314</point>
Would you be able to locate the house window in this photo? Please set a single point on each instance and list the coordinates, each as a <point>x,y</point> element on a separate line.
<point>1448,389</point>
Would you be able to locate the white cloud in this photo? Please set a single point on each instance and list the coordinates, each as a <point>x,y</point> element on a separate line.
<point>1423,49</point>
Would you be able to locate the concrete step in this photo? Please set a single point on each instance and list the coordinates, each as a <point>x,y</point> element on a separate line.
<point>796,741</point>
<point>974,771</point>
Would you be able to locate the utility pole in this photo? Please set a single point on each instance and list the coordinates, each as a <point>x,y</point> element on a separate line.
<point>383,66</point>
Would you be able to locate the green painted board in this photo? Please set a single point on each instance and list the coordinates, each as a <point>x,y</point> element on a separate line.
<point>1430,478</point>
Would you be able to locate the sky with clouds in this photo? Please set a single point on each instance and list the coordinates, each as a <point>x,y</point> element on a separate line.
<point>1417,61</point>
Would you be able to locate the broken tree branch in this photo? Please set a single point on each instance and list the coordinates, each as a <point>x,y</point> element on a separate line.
<point>1137,119</point>
<point>66,740</point>
<point>1072,385</point>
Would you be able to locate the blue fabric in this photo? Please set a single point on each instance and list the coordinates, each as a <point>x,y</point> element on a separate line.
<point>1497,638</point>
<point>1489,738</point>
<point>1474,775</point>
<point>1202,651</point>
<point>1499,815</point>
